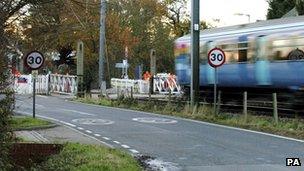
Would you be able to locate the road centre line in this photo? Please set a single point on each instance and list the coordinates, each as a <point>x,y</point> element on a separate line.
<point>200,122</point>
<point>80,128</point>
<point>97,135</point>
<point>78,112</point>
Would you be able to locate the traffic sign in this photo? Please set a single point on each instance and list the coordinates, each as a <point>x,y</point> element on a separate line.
<point>34,60</point>
<point>216,57</point>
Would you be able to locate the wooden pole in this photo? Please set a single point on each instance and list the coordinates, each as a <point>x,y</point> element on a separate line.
<point>219,101</point>
<point>245,105</point>
<point>275,108</point>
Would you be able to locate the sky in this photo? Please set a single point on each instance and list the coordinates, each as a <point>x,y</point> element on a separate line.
<point>224,11</point>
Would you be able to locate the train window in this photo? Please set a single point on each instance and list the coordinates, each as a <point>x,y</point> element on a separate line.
<point>242,51</point>
<point>231,52</point>
<point>295,54</point>
<point>288,49</point>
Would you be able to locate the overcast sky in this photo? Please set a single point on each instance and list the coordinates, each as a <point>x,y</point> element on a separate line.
<point>224,10</point>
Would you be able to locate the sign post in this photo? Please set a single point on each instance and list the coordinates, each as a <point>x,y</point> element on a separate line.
<point>34,60</point>
<point>216,58</point>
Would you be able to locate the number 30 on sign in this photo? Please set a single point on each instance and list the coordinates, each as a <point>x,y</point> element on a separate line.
<point>216,57</point>
<point>34,60</point>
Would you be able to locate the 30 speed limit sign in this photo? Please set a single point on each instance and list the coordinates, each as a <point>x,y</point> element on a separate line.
<point>34,60</point>
<point>216,57</point>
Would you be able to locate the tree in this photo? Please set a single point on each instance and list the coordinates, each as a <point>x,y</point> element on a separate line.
<point>278,8</point>
<point>9,12</point>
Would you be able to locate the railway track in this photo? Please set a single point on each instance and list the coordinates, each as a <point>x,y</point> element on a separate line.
<point>259,104</point>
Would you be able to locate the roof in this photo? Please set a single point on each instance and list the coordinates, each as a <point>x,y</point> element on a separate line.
<point>260,26</point>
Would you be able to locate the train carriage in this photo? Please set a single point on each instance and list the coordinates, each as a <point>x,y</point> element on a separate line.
<point>266,55</point>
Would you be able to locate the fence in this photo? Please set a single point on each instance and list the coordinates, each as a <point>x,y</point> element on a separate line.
<point>162,83</point>
<point>45,84</point>
<point>63,84</point>
<point>139,86</point>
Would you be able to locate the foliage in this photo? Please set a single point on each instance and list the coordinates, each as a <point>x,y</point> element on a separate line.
<point>139,25</point>
<point>278,8</point>
<point>89,157</point>
<point>6,106</point>
<point>20,123</point>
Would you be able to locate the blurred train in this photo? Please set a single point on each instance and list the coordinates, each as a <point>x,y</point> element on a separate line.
<point>266,55</point>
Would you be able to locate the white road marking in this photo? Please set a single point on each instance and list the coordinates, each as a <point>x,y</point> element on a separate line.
<point>106,138</point>
<point>56,120</point>
<point>155,120</point>
<point>42,96</point>
<point>116,142</point>
<point>80,128</point>
<point>78,112</point>
<point>92,121</point>
<point>69,124</point>
<point>97,135</point>
<point>88,131</point>
<point>125,146</point>
<point>201,122</point>
<point>134,151</point>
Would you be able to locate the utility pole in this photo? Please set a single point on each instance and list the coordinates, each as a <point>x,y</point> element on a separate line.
<point>195,31</point>
<point>102,38</point>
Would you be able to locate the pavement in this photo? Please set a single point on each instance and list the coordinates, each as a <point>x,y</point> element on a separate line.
<point>57,134</point>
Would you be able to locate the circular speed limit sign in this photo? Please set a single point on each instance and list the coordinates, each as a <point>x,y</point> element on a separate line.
<point>216,57</point>
<point>34,60</point>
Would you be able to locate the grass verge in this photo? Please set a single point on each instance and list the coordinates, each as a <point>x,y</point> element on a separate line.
<point>289,127</point>
<point>27,123</point>
<point>78,157</point>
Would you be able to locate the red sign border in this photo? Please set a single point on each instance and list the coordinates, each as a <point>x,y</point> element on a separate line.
<point>210,63</point>
<point>27,55</point>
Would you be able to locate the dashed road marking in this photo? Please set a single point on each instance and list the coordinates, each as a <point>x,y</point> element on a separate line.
<point>155,120</point>
<point>42,96</point>
<point>78,112</point>
<point>56,120</point>
<point>97,135</point>
<point>88,131</point>
<point>116,142</point>
<point>106,138</point>
<point>125,146</point>
<point>92,121</point>
<point>80,128</point>
<point>134,151</point>
<point>69,124</point>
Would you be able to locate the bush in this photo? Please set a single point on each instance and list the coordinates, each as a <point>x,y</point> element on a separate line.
<point>6,107</point>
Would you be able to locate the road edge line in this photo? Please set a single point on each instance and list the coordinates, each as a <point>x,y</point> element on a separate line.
<point>61,123</point>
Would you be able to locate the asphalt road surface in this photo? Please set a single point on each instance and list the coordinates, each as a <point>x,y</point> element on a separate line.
<point>176,144</point>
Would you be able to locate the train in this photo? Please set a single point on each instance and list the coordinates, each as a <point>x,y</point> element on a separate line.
<point>264,56</point>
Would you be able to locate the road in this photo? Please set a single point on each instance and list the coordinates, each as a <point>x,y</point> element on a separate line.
<point>176,144</point>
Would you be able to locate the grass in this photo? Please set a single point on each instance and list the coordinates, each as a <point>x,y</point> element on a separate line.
<point>26,123</point>
<point>78,157</point>
<point>286,127</point>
